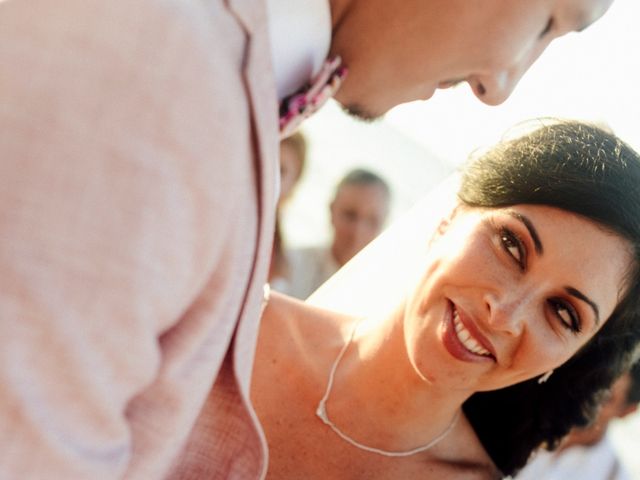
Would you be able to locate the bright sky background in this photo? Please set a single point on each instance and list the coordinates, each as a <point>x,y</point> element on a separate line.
<point>593,75</point>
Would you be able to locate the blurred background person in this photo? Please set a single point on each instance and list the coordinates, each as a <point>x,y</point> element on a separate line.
<point>358,212</point>
<point>587,453</point>
<point>293,154</point>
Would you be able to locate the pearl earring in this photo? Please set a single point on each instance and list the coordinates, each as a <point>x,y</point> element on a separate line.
<point>545,377</point>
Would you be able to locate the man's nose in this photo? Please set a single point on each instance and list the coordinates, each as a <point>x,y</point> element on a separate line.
<point>362,233</point>
<point>495,86</point>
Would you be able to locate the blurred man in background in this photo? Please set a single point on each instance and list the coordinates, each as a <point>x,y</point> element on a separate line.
<point>358,211</point>
<point>293,157</point>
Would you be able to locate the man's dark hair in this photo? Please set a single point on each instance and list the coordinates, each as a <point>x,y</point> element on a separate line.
<point>362,176</point>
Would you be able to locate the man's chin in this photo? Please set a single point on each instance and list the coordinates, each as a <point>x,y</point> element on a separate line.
<point>361,113</point>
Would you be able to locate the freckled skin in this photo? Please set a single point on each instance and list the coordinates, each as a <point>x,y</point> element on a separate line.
<point>397,386</point>
<point>514,309</point>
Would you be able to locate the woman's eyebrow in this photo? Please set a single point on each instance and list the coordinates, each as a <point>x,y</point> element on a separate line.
<point>574,292</point>
<point>532,230</point>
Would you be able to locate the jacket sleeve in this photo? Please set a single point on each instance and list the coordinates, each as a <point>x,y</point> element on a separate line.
<point>110,113</point>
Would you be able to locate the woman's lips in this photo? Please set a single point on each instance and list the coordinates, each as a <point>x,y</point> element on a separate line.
<point>463,340</point>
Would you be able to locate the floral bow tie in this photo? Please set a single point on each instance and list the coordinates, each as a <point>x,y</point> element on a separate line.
<point>306,101</point>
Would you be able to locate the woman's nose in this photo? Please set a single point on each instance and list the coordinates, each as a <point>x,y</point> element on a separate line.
<point>505,314</point>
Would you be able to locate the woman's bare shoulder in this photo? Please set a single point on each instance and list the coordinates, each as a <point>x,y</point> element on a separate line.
<point>284,304</point>
<point>292,341</point>
<point>464,457</point>
<point>284,313</point>
<point>290,328</point>
<point>464,470</point>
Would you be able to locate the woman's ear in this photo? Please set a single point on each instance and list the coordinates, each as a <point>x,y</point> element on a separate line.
<point>443,226</point>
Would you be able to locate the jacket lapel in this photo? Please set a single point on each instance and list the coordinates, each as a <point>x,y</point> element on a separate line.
<point>261,91</point>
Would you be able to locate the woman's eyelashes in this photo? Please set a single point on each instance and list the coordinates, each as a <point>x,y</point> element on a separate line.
<point>566,314</point>
<point>514,246</point>
<point>516,249</point>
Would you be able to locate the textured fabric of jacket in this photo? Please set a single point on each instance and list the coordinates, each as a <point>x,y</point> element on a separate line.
<point>138,154</point>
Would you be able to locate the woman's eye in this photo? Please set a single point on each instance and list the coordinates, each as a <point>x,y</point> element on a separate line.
<point>513,246</point>
<point>547,27</point>
<point>566,314</point>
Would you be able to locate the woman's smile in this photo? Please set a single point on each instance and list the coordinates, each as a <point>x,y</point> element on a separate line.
<point>462,339</point>
<point>522,291</point>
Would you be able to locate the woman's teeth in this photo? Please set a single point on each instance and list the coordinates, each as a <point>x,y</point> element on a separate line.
<point>466,339</point>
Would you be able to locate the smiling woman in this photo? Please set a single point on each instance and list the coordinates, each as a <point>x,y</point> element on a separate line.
<point>509,283</point>
<point>536,269</point>
<point>589,172</point>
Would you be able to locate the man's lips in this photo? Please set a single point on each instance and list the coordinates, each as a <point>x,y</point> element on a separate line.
<point>450,83</point>
<point>463,339</point>
<point>441,86</point>
<point>428,94</point>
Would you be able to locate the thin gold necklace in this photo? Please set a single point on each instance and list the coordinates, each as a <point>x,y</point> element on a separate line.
<point>321,412</point>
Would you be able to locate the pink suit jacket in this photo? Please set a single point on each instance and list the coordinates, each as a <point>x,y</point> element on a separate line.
<point>138,157</point>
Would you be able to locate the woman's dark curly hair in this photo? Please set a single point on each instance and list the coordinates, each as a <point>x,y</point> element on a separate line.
<point>586,170</point>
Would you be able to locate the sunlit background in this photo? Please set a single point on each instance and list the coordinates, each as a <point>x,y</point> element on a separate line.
<point>594,75</point>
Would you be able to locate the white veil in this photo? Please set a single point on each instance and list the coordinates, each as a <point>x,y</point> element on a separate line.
<point>378,278</point>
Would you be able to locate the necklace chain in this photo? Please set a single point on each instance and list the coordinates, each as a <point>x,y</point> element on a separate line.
<point>321,412</point>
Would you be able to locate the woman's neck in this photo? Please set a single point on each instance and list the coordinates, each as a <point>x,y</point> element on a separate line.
<point>377,396</point>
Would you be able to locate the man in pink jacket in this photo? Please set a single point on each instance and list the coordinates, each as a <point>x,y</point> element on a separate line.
<point>138,166</point>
